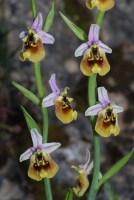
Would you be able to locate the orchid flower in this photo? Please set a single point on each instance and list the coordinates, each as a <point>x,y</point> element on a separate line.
<point>33,40</point>
<point>84,171</point>
<point>49,100</point>
<point>63,108</point>
<point>93,51</point>
<point>102,5</point>
<point>41,163</point>
<point>107,122</point>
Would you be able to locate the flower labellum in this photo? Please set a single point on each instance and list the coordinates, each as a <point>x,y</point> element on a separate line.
<point>93,51</point>
<point>33,40</point>
<point>107,122</point>
<point>102,5</point>
<point>41,163</point>
<point>62,103</point>
<point>83,171</point>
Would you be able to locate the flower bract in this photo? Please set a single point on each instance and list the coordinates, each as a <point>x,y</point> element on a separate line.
<point>107,121</point>
<point>93,51</point>
<point>41,163</point>
<point>83,171</point>
<point>102,5</point>
<point>33,40</point>
<point>62,103</point>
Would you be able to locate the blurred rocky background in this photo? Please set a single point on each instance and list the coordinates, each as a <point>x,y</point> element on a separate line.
<point>118,33</point>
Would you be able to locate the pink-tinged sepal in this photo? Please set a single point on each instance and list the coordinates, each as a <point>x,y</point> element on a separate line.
<point>38,22</point>
<point>103,97</point>
<point>36,137</point>
<point>26,155</point>
<point>117,109</point>
<point>94,110</point>
<point>23,34</point>
<point>81,49</point>
<point>93,35</point>
<point>50,147</point>
<point>104,47</point>
<point>49,100</point>
<point>53,85</point>
<point>46,37</point>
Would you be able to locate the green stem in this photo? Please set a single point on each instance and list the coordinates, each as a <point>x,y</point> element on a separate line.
<point>44,110</point>
<point>34,12</point>
<point>45,122</point>
<point>92,100</point>
<point>41,95</point>
<point>48,189</point>
<point>99,18</point>
<point>38,77</point>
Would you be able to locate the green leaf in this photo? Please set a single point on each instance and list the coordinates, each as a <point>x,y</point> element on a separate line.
<point>29,120</point>
<point>27,93</point>
<point>69,195</point>
<point>78,31</point>
<point>49,19</point>
<point>114,169</point>
<point>110,193</point>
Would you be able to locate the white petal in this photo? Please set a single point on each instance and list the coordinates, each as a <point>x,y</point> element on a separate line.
<point>26,155</point>
<point>36,137</point>
<point>50,147</point>
<point>103,96</point>
<point>93,110</point>
<point>104,47</point>
<point>117,109</point>
<point>80,50</point>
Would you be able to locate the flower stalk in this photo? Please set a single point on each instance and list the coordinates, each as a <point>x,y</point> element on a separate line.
<point>92,101</point>
<point>41,93</point>
<point>45,122</point>
<point>37,72</point>
<point>34,12</point>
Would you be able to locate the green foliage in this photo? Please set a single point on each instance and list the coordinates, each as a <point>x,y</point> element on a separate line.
<point>49,19</point>
<point>114,169</point>
<point>78,31</point>
<point>69,195</point>
<point>27,93</point>
<point>29,120</point>
<point>110,193</point>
